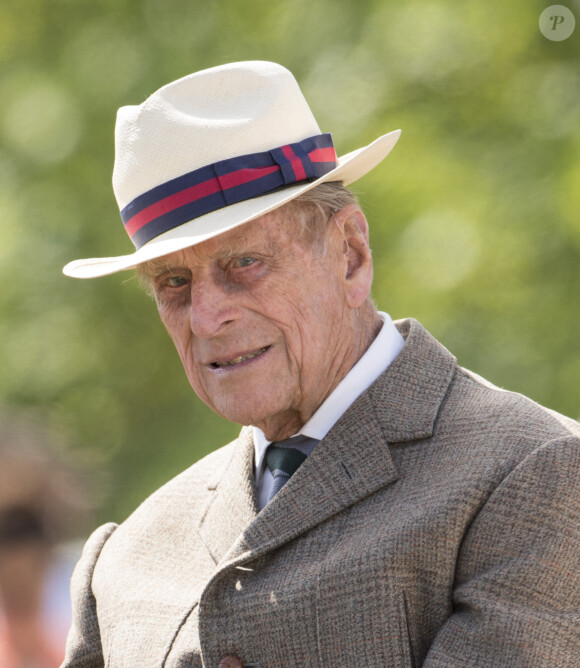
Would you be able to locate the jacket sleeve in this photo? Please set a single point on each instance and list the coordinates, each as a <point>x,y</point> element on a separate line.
<point>83,647</point>
<point>516,598</point>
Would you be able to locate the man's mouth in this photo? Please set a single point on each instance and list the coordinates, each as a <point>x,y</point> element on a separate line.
<point>240,359</point>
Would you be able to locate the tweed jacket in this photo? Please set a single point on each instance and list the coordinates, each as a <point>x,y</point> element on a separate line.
<point>437,524</point>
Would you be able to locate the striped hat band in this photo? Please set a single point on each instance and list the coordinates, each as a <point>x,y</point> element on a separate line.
<point>224,183</point>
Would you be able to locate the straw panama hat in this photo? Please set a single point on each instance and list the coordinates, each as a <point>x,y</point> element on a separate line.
<point>214,150</point>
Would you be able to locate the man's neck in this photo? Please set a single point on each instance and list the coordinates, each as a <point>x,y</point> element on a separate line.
<point>365,329</point>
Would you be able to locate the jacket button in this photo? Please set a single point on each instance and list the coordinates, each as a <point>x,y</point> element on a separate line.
<point>231,661</point>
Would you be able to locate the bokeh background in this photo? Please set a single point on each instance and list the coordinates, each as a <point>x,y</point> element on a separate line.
<point>475,216</point>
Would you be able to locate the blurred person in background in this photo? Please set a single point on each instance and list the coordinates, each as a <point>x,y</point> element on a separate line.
<point>382,506</point>
<point>41,509</point>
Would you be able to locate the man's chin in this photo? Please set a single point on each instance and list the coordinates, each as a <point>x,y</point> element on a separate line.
<point>240,415</point>
<point>275,426</point>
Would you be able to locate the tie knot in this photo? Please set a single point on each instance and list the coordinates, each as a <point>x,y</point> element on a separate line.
<point>284,459</point>
<point>287,455</point>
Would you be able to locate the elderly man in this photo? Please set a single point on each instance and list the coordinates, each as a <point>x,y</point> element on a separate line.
<point>382,506</point>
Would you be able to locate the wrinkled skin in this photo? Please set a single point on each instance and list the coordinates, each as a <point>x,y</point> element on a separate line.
<point>266,326</point>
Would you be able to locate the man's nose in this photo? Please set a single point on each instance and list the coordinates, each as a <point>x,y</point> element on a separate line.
<point>212,309</point>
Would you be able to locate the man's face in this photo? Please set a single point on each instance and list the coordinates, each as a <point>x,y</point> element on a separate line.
<point>260,321</point>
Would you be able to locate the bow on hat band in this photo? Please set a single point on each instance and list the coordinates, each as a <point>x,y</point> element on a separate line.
<point>223,183</point>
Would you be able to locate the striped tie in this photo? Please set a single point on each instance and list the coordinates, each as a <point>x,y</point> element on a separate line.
<point>285,457</point>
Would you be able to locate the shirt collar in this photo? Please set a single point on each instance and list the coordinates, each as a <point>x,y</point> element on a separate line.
<point>379,355</point>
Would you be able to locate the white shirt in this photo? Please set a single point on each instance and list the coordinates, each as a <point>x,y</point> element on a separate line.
<point>382,351</point>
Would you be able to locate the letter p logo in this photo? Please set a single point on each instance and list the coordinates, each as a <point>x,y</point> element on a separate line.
<point>557,23</point>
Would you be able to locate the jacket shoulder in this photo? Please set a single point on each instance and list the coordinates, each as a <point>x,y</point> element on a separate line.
<point>505,411</point>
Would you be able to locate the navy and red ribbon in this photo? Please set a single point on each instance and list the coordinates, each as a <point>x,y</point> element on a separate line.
<point>226,182</point>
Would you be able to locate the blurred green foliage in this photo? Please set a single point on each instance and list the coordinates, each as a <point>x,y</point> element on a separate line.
<point>474,216</point>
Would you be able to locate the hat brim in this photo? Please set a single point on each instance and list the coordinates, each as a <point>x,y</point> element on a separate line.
<point>350,167</point>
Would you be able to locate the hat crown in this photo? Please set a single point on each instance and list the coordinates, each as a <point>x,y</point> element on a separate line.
<point>213,115</point>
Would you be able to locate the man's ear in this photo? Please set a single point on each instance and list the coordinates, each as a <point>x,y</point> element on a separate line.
<point>358,263</point>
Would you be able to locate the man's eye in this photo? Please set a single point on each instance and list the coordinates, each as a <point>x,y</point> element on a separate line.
<point>176,281</point>
<point>243,262</point>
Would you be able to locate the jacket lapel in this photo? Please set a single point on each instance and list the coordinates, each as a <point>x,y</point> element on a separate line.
<point>352,462</point>
<point>232,506</point>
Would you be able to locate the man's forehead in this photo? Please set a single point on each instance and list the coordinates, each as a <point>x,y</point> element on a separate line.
<point>261,229</point>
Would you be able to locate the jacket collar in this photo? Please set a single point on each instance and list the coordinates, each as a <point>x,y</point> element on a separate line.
<point>408,396</point>
<point>350,463</point>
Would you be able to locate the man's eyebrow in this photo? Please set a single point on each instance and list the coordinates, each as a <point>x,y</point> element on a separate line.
<point>154,269</point>
<point>240,245</point>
